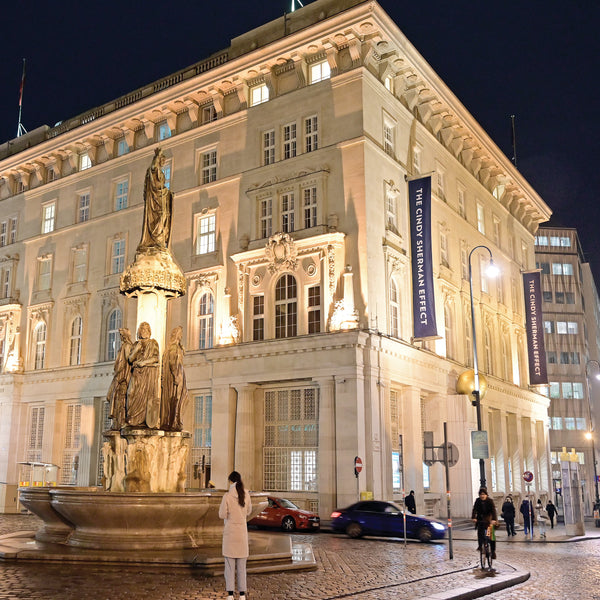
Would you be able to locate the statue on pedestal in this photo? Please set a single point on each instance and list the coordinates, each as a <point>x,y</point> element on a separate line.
<point>117,393</point>
<point>174,389</point>
<point>143,394</point>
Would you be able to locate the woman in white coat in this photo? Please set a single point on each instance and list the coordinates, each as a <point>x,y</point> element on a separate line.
<point>235,508</point>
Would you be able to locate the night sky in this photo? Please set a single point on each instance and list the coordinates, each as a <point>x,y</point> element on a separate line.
<point>537,60</point>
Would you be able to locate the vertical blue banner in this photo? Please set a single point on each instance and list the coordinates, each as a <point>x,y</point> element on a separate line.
<point>419,203</point>
<point>535,328</point>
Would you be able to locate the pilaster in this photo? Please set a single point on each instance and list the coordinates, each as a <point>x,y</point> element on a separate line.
<point>245,436</point>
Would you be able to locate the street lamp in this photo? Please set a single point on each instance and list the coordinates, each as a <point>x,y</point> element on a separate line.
<point>590,435</point>
<point>491,271</point>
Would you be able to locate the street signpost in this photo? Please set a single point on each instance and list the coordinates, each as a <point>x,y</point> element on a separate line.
<point>358,465</point>
<point>528,478</point>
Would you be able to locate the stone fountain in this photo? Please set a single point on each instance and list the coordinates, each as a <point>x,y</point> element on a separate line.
<point>143,514</point>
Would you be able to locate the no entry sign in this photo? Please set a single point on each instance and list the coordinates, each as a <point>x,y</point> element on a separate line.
<point>358,465</point>
<point>528,476</point>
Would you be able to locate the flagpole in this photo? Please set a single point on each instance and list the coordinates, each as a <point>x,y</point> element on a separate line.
<point>20,128</point>
<point>514,139</point>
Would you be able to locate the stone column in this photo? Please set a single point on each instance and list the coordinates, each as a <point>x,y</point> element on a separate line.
<point>152,308</point>
<point>223,422</point>
<point>412,441</point>
<point>326,465</point>
<point>87,443</point>
<point>245,435</point>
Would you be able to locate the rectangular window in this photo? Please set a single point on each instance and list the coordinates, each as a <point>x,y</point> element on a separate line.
<point>483,264</point>
<point>70,458</point>
<point>551,356</point>
<point>50,174</point>
<point>549,326</point>
<point>554,388</point>
<point>209,114</point>
<point>122,147</point>
<point>559,297</point>
<point>462,207</point>
<point>557,423</point>
<point>259,94</point>
<point>85,162</point>
<point>444,249</point>
<point>310,207</point>
<point>13,230</point>
<point>570,297</point>
<point>206,236</point>
<point>574,358</point>
<point>3,233</point>
<point>547,296</point>
<point>209,167</point>
<point>554,241</point>
<point>83,211</point>
<point>44,273</point>
<point>567,390</point>
<point>79,265</point>
<point>122,194</point>
<point>269,147</point>
<point>258,318</point>
<point>164,131</point>
<point>565,242</point>
<point>319,71</point>
<point>561,327</point>
<point>5,289</point>
<point>311,134</point>
<point>266,217</point>
<point>480,219</point>
<point>564,358</point>
<point>541,240</point>
<point>464,263</point>
<point>578,391</point>
<point>545,268</point>
<point>388,137</point>
<point>497,231</point>
<point>572,327</point>
<point>500,289</point>
<point>48,216</point>
<point>36,434</point>
<point>287,212</point>
<point>289,140</point>
<point>201,448</point>
<point>118,257</point>
<point>314,309</point>
<point>441,183</point>
<point>290,452</point>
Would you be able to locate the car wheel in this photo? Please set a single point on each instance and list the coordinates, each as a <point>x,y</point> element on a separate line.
<point>354,530</point>
<point>424,534</point>
<point>288,524</point>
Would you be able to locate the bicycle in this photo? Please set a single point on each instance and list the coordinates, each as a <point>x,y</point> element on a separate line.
<point>485,550</point>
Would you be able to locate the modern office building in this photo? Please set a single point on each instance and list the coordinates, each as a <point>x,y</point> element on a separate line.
<point>288,155</point>
<point>571,312</point>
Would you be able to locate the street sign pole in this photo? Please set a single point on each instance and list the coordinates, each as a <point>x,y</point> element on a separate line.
<point>358,465</point>
<point>447,469</point>
<point>403,486</point>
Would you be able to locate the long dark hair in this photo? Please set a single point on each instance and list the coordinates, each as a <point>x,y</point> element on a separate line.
<point>236,478</point>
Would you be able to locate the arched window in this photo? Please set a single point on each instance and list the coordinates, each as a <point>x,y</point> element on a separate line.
<point>468,339</point>
<point>75,352</point>
<point>206,309</point>
<point>394,309</point>
<point>506,358</point>
<point>448,327</point>
<point>113,339</point>
<point>487,349</point>
<point>39,336</point>
<point>286,307</point>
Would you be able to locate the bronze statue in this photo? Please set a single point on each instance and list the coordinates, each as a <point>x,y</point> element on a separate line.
<point>158,207</point>
<point>174,389</point>
<point>117,393</point>
<point>143,396</point>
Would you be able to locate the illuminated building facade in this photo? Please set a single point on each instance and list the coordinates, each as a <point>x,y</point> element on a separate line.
<point>288,157</point>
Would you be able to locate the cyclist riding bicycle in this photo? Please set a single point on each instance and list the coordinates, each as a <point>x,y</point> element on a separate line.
<point>484,515</point>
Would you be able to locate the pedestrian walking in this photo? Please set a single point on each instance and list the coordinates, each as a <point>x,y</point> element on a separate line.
<point>410,502</point>
<point>508,514</point>
<point>528,519</point>
<point>235,508</point>
<point>551,510</point>
<point>484,515</point>
<point>542,518</point>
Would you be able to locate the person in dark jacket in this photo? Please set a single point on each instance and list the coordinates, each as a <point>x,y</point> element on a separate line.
<point>508,514</point>
<point>484,515</point>
<point>528,519</point>
<point>551,510</point>
<point>410,503</point>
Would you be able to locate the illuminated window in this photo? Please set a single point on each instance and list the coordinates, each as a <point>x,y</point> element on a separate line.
<point>289,140</point>
<point>13,230</point>
<point>85,162</point>
<point>117,260</point>
<point>44,273</point>
<point>310,207</point>
<point>167,173</point>
<point>122,147</point>
<point>113,339</point>
<point>48,216</point>
<point>75,346</point>
<point>394,309</point>
<point>164,131</point>
<point>206,310</point>
<point>83,209</point>
<point>209,114</point>
<point>286,311</point>
<point>444,249</point>
<point>389,83</point>
<point>259,94</point>
<point>39,336</point>
<point>209,166</point>
<point>388,136</point>
<point>319,71</point>
<point>480,219</point>
<point>36,434</point>
<point>269,147</point>
<point>206,234</point>
<point>79,265</point>
<point>266,217</point>
<point>462,206</point>
<point>311,134</point>
<point>70,458</point>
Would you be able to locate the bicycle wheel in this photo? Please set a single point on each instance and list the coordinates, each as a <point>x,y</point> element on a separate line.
<point>488,554</point>
<point>482,555</point>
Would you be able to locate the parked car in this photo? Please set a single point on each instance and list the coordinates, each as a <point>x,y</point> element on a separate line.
<point>375,517</point>
<point>284,514</point>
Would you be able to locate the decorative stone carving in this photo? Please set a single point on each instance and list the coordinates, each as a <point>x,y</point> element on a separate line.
<point>281,253</point>
<point>117,393</point>
<point>174,393</point>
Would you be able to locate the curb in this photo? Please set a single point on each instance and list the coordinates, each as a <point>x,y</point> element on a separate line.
<point>481,588</point>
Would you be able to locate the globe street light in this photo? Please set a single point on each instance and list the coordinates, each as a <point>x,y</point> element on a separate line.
<point>491,271</point>
<point>590,434</point>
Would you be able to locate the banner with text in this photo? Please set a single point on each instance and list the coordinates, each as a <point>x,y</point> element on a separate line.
<point>419,200</point>
<point>535,328</point>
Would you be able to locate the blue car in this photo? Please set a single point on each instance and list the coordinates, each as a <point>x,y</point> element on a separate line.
<point>374,517</point>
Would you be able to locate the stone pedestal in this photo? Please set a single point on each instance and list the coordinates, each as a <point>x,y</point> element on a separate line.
<point>145,460</point>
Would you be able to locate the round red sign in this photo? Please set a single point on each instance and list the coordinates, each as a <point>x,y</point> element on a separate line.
<point>528,476</point>
<point>358,464</point>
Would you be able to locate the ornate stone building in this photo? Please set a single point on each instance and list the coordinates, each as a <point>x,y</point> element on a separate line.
<point>288,155</point>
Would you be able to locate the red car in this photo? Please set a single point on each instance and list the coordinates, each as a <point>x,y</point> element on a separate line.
<point>282,513</point>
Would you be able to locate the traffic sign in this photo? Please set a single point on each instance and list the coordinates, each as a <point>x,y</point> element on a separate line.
<point>452,454</point>
<point>528,476</point>
<point>358,465</point>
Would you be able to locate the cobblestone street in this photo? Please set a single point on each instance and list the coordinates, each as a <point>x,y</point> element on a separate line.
<point>366,569</point>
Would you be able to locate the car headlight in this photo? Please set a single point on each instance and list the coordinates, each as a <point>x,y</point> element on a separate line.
<point>438,526</point>
<point>303,517</point>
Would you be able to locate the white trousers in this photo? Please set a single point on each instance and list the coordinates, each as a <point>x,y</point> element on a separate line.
<point>231,564</point>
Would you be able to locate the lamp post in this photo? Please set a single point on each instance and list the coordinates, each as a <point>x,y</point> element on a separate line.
<point>492,270</point>
<point>591,432</point>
